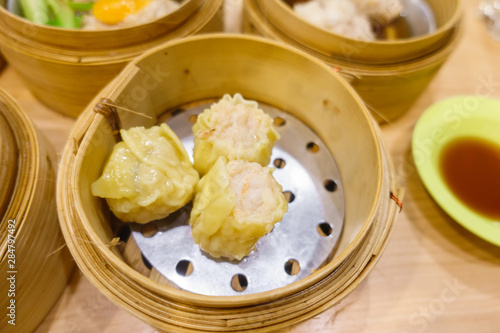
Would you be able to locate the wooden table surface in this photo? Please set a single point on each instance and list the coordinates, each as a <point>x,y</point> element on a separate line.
<point>434,275</point>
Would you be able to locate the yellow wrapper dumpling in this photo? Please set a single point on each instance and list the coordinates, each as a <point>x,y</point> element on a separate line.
<point>236,203</point>
<point>234,128</point>
<point>148,175</point>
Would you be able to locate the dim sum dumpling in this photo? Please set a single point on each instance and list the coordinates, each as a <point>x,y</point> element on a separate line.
<point>236,203</point>
<point>341,17</point>
<point>349,18</point>
<point>148,175</point>
<point>382,11</point>
<point>234,128</point>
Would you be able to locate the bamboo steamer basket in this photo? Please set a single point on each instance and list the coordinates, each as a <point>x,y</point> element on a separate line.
<point>65,68</point>
<point>326,104</point>
<point>388,90</point>
<point>39,259</point>
<point>447,13</point>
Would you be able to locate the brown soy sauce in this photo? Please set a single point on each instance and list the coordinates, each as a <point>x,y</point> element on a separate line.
<point>471,169</point>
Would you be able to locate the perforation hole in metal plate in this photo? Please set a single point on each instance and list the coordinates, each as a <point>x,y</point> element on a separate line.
<point>298,245</point>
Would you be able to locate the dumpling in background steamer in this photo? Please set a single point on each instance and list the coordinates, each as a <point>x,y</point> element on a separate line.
<point>349,18</point>
<point>381,11</point>
<point>337,16</point>
<point>234,128</point>
<point>148,175</point>
<point>236,203</point>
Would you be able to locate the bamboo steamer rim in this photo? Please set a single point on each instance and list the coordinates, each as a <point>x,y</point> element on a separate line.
<point>279,6</point>
<point>8,160</point>
<point>62,55</point>
<point>186,8</point>
<point>354,67</point>
<point>90,121</point>
<point>28,166</point>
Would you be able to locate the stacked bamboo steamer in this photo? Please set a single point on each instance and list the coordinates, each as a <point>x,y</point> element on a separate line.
<point>33,255</point>
<point>65,68</point>
<point>265,71</point>
<point>388,75</point>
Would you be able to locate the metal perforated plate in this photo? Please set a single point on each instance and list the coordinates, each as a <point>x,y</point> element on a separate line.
<point>299,244</point>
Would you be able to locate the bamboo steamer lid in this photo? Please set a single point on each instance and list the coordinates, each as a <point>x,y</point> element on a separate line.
<point>326,104</point>
<point>447,13</point>
<point>36,257</point>
<point>65,68</point>
<point>388,90</point>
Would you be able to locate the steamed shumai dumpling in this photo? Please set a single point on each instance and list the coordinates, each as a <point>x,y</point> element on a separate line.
<point>382,11</point>
<point>148,175</point>
<point>341,17</point>
<point>234,128</point>
<point>236,203</point>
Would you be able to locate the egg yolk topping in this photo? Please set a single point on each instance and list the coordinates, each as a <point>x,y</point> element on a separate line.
<point>115,11</point>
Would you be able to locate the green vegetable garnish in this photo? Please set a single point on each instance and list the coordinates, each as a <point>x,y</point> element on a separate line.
<point>36,11</point>
<point>64,15</point>
<point>59,13</point>
<point>80,6</point>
